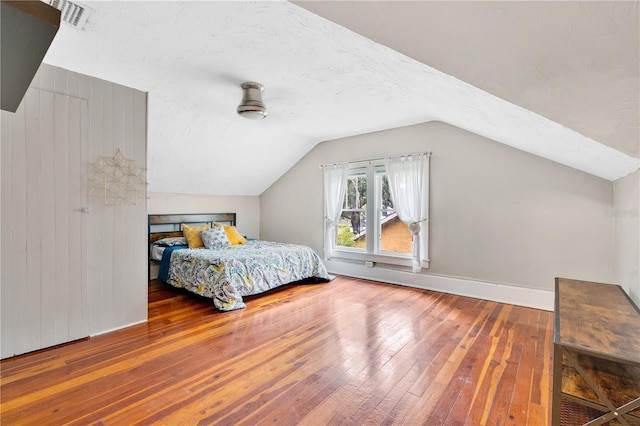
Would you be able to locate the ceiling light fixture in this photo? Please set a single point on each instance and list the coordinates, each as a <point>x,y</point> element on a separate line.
<point>251,105</point>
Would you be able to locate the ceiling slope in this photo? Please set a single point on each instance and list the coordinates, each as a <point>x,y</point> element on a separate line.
<point>574,62</point>
<point>322,81</point>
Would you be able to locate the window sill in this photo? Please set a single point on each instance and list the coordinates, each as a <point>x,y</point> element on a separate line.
<point>397,260</point>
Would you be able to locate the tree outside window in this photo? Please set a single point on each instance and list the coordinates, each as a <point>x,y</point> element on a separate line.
<point>392,235</point>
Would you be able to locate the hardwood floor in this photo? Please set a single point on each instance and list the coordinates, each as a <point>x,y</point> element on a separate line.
<point>347,352</point>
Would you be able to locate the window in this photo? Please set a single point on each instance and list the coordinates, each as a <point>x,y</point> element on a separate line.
<point>385,229</point>
<point>368,226</point>
<point>352,227</point>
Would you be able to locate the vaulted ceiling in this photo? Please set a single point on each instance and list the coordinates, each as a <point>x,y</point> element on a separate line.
<point>557,79</point>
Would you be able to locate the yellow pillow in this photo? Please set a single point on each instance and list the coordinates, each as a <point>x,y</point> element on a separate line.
<point>192,234</point>
<point>233,235</point>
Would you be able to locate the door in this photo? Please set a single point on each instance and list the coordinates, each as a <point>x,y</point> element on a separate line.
<point>43,255</point>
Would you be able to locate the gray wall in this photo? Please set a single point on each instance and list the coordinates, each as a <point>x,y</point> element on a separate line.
<point>498,215</point>
<point>246,208</point>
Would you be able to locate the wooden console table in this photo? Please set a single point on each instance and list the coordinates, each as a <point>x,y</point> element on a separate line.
<point>596,365</point>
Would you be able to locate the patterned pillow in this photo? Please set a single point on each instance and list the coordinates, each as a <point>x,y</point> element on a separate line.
<point>215,238</point>
<point>192,234</point>
<point>171,241</point>
<point>232,234</point>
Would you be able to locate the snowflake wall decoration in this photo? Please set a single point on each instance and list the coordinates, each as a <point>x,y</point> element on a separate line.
<point>117,179</point>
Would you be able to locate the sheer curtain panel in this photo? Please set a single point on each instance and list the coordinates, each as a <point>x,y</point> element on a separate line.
<point>335,185</point>
<point>409,186</point>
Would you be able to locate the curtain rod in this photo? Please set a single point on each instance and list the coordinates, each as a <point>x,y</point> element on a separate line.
<point>427,153</point>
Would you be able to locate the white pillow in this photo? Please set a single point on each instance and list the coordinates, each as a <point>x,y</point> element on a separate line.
<point>171,241</point>
<point>215,238</point>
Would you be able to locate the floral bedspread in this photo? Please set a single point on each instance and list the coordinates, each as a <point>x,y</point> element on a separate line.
<point>229,273</point>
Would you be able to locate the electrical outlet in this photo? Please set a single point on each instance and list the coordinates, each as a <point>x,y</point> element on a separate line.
<point>369,264</point>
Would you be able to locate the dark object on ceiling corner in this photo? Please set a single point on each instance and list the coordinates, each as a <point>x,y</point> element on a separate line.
<point>27,30</point>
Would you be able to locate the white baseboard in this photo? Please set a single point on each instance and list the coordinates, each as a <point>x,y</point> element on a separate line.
<point>497,292</point>
<point>118,328</point>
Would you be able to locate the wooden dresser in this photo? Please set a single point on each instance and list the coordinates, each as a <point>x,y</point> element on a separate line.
<point>596,373</point>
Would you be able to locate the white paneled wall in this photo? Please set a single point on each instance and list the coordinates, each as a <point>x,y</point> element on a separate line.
<point>117,298</point>
<point>67,274</point>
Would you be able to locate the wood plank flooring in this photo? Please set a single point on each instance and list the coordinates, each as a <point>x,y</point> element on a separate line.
<point>346,352</point>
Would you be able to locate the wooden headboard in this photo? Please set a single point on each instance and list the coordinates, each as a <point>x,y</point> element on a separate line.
<point>170,225</point>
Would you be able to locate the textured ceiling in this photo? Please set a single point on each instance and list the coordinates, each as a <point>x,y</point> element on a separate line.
<point>323,81</point>
<point>573,62</point>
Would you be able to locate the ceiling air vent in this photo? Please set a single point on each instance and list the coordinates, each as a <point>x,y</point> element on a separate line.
<point>73,13</point>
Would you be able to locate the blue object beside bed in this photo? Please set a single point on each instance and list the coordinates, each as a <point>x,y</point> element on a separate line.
<point>163,272</point>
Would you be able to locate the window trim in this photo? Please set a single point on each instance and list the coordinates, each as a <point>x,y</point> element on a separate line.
<point>373,169</point>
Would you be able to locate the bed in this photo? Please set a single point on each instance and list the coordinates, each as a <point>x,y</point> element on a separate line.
<point>227,273</point>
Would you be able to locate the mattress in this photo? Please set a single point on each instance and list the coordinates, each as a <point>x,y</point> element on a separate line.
<point>156,252</point>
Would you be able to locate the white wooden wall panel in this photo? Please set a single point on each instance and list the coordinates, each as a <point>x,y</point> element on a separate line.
<point>45,169</point>
<point>137,302</point>
<point>62,201</point>
<point>123,108</point>
<point>97,268</point>
<point>116,116</point>
<point>109,306</point>
<point>19,236</point>
<point>49,122</point>
<point>34,211</point>
<point>78,221</point>
<point>104,306</point>
<point>118,233</point>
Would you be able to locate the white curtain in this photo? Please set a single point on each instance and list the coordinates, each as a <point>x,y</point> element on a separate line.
<point>335,185</point>
<point>409,186</point>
